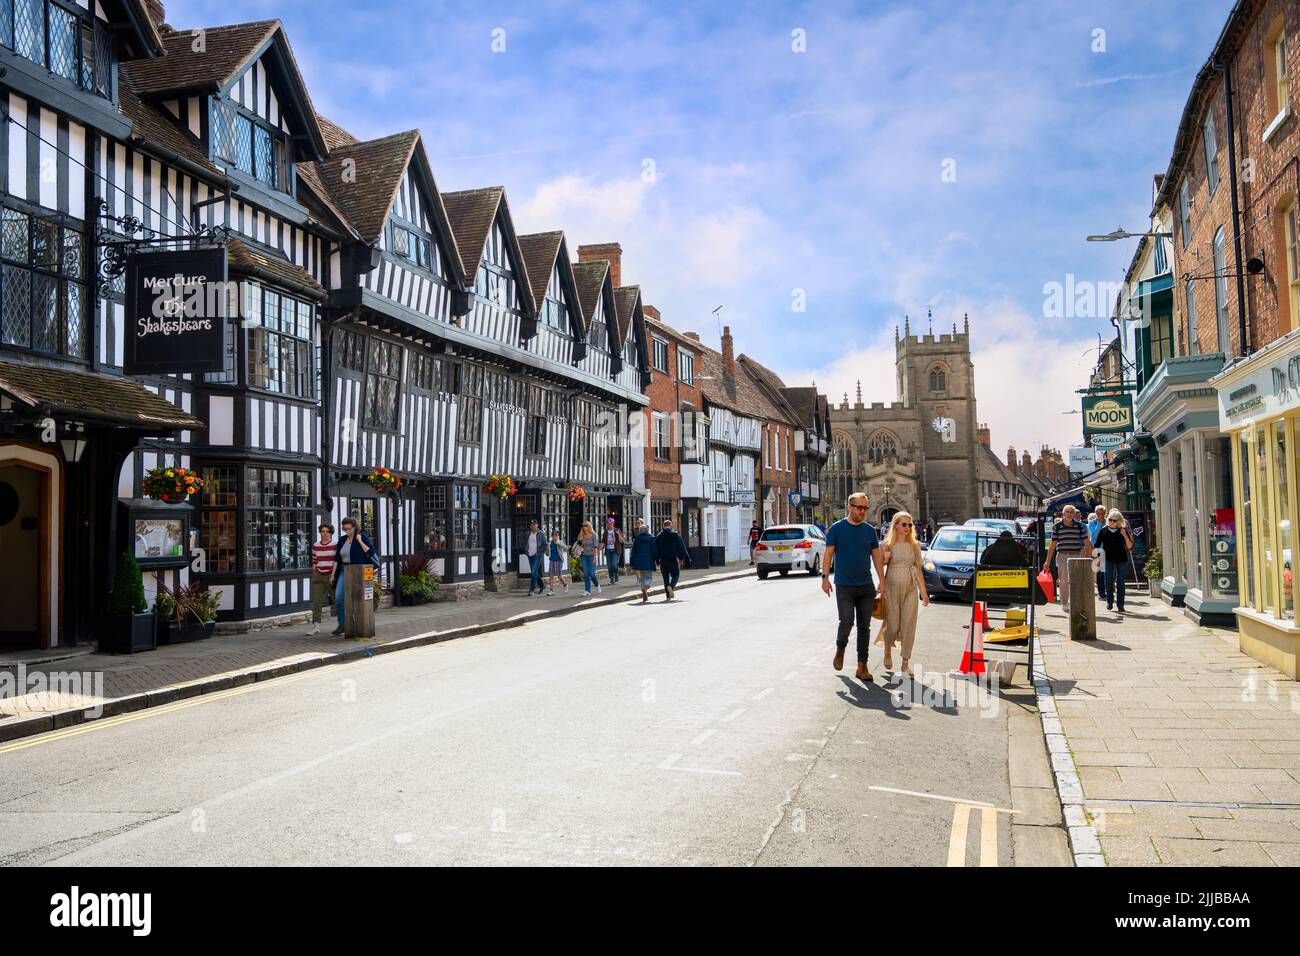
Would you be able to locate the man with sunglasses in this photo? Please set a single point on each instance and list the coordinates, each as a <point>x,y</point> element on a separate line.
<point>852,546</point>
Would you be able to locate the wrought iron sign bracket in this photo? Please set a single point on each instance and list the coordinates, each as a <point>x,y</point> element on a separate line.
<point>112,253</point>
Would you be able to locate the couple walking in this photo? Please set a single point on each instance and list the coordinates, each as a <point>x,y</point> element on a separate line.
<point>665,550</point>
<point>852,548</point>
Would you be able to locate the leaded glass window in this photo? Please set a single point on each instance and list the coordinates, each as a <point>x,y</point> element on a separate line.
<point>42,299</point>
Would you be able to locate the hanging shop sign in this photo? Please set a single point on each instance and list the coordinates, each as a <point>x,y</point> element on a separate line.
<point>1082,460</point>
<point>1107,442</point>
<point>1107,413</point>
<point>176,311</point>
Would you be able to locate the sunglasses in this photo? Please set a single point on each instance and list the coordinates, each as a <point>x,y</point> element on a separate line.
<point>863,507</point>
<point>905,524</point>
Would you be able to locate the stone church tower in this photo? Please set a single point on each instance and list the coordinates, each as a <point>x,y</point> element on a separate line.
<point>936,379</point>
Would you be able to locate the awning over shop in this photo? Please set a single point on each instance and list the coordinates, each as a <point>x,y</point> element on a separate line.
<point>1152,297</point>
<point>92,397</point>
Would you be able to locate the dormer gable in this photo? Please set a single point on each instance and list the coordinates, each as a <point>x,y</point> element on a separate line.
<point>597,295</point>
<point>492,262</point>
<point>633,346</point>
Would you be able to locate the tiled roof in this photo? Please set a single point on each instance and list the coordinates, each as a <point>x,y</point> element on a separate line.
<point>471,213</point>
<point>741,393</point>
<point>249,259</point>
<point>540,250</point>
<point>590,279</point>
<point>149,123</point>
<point>771,388</point>
<point>770,378</point>
<point>335,135</point>
<point>625,300</point>
<point>309,176</point>
<point>226,51</point>
<point>374,173</point>
<point>73,394</point>
<point>803,399</point>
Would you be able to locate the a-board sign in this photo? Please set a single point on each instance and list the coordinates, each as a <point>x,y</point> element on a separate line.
<point>1002,579</point>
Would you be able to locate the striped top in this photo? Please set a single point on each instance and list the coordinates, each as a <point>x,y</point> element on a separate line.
<point>322,557</point>
<point>1069,537</point>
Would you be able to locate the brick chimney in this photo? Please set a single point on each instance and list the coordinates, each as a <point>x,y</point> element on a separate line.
<point>1027,462</point>
<point>651,313</point>
<point>157,13</point>
<point>728,353</point>
<point>610,251</point>
<point>692,335</point>
<point>1011,460</point>
<point>982,434</point>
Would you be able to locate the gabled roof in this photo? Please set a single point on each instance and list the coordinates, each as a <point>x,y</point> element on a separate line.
<point>148,42</point>
<point>149,123</point>
<point>741,394</point>
<point>772,388</point>
<point>803,399</point>
<point>471,213</point>
<point>626,300</point>
<point>379,164</point>
<point>590,277</point>
<point>309,176</point>
<point>540,249</point>
<point>335,135</point>
<point>225,53</point>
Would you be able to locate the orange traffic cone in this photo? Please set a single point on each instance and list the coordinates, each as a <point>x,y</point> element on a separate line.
<point>981,615</point>
<point>972,658</point>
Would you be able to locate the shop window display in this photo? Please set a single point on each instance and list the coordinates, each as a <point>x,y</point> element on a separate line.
<point>1221,575</point>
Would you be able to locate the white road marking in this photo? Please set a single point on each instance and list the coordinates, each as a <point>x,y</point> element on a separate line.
<point>703,737</point>
<point>763,693</point>
<point>733,715</point>
<point>988,837</point>
<point>671,764</point>
<point>939,796</point>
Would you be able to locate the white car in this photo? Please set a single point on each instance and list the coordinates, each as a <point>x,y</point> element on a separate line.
<point>790,547</point>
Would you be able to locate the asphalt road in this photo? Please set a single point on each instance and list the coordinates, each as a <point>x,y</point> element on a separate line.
<point>710,730</point>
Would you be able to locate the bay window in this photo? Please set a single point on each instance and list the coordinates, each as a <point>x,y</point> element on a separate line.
<point>278,519</point>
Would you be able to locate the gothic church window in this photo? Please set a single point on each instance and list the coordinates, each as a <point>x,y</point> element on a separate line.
<point>881,446</point>
<point>938,379</point>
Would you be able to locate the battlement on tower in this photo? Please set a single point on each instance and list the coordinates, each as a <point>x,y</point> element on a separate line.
<point>945,340</point>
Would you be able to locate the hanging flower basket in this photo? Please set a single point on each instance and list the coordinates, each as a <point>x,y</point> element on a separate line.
<point>385,481</point>
<point>172,485</point>
<point>503,486</point>
<point>576,493</point>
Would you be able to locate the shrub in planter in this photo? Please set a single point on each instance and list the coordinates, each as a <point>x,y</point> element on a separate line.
<point>575,568</point>
<point>1155,566</point>
<point>190,610</point>
<point>130,627</point>
<point>418,582</point>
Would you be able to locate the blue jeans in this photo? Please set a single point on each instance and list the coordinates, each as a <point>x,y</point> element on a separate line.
<point>611,562</point>
<point>338,597</point>
<point>1115,583</point>
<point>535,570</point>
<point>670,569</point>
<point>589,579</point>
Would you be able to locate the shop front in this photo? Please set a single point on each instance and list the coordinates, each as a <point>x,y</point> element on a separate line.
<point>1259,404</point>
<point>1196,517</point>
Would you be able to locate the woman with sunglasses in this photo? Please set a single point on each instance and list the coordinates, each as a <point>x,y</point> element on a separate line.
<point>904,585</point>
<point>1116,543</point>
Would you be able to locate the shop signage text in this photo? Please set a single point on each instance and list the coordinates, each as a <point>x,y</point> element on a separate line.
<point>1267,391</point>
<point>175,311</point>
<point>1107,441</point>
<point>1107,413</point>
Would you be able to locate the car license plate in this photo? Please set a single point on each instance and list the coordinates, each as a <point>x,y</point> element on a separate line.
<point>957,582</point>
<point>781,547</point>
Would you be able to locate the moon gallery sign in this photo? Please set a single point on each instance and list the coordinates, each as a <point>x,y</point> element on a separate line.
<point>176,311</point>
<point>1107,413</point>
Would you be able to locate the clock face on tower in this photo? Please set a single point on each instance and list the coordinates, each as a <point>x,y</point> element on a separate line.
<point>946,427</point>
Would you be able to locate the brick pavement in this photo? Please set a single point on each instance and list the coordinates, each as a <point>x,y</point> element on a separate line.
<point>288,647</point>
<point>1188,751</point>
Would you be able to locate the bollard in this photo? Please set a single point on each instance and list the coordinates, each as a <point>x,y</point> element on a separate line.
<point>358,600</point>
<point>1083,600</point>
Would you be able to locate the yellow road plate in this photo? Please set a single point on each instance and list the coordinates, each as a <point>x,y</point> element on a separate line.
<point>1002,579</point>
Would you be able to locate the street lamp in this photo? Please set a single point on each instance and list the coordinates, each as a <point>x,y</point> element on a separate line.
<point>1122,233</point>
<point>74,444</point>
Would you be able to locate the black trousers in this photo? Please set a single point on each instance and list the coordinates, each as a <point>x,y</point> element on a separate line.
<point>855,602</point>
<point>669,569</point>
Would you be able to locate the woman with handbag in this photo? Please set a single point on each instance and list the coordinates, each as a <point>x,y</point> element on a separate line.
<point>1115,542</point>
<point>903,587</point>
<point>586,547</point>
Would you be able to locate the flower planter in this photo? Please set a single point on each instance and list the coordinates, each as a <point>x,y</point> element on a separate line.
<point>129,633</point>
<point>1153,587</point>
<point>189,631</point>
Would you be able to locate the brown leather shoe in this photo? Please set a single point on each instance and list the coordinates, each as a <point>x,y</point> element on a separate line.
<point>839,659</point>
<point>863,673</point>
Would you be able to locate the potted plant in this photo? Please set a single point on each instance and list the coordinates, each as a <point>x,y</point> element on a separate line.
<point>1154,570</point>
<point>385,482</point>
<point>130,626</point>
<point>503,486</point>
<point>575,568</point>
<point>577,492</point>
<point>190,612</point>
<point>171,485</point>
<point>418,583</point>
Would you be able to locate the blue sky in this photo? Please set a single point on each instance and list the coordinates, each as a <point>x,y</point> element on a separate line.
<point>736,171</point>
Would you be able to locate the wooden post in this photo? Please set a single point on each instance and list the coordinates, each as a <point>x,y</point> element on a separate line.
<point>1083,600</point>
<point>359,600</point>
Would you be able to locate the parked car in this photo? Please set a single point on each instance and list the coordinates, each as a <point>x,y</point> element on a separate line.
<point>996,524</point>
<point>948,563</point>
<point>790,547</point>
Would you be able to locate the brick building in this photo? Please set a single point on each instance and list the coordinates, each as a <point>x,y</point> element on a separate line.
<point>674,437</point>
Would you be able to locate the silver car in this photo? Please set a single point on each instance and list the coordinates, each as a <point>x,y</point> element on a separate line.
<point>790,547</point>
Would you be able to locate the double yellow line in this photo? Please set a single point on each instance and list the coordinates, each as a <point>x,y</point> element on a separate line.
<point>108,722</point>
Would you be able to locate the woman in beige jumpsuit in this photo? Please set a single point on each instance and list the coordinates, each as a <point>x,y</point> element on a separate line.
<point>903,583</point>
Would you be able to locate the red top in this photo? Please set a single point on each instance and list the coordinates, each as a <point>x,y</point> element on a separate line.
<point>322,558</point>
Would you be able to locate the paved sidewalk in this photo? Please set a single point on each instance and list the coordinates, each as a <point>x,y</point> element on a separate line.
<point>162,676</point>
<point>1188,751</point>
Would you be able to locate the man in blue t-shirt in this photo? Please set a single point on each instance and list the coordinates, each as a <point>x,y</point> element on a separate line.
<point>852,546</point>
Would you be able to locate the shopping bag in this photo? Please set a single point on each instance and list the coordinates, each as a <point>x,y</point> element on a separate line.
<point>1045,582</point>
<point>878,609</point>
